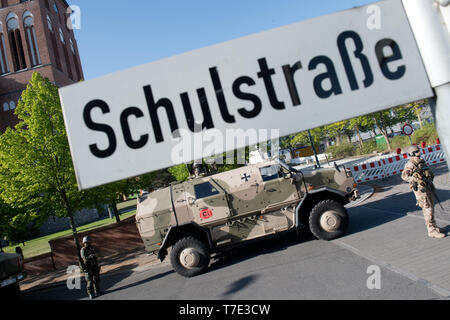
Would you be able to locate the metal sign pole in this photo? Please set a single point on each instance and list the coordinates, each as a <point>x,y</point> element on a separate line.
<point>430,22</point>
<point>314,148</point>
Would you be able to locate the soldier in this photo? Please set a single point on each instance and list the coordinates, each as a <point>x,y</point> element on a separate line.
<point>198,168</point>
<point>420,178</point>
<point>91,268</point>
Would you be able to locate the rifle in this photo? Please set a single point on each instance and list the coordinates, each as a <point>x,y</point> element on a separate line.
<point>430,185</point>
<point>428,180</point>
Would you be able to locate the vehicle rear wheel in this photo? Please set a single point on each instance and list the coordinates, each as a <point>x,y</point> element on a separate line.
<point>328,220</point>
<point>189,257</point>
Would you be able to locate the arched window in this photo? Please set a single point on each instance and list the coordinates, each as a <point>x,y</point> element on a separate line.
<point>9,106</point>
<point>33,49</point>
<point>49,23</point>
<point>75,60</point>
<point>54,43</point>
<point>61,36</point>
<point>4,68</point>
<point>66,53</point>
<point>72,47</point>
<point>15,41</point>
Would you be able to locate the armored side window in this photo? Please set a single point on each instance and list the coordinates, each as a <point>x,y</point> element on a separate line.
<point>270,173</point>
<point>205,190</point>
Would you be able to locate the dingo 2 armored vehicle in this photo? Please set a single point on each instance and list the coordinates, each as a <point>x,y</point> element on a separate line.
<point>207,214</point>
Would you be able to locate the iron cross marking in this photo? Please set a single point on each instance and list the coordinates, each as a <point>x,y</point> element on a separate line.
<point>245,177</point>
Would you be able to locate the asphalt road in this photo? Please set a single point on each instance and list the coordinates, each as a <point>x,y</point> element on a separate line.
<point>293,267</point>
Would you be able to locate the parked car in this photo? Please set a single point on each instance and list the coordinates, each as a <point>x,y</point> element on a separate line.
<point>11,273</point>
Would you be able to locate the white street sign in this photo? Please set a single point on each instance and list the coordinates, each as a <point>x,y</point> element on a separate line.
<point>292,78</point>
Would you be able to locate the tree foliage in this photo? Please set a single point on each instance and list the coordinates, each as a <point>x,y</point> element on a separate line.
<point>36,170</point>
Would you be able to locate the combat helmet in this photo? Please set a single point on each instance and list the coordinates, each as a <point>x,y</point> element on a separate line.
<point>413,150</point>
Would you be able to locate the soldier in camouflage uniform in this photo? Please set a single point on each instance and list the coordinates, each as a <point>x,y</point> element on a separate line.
<point>420,176</point>
<point>198,169</point>
<point>91,268</point>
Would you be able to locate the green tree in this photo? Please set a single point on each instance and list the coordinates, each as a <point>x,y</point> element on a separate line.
<point>361,124</point>
<point>302,138</point>
<point>417,107</point>
<point>336,130</point>
<point>36,167</point>
<point>180,172</point>
<point>387,118</point>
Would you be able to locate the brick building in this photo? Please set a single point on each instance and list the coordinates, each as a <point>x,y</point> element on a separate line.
<point>34,36</point>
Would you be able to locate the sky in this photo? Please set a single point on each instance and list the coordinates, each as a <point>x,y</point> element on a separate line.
<point>117,35</point>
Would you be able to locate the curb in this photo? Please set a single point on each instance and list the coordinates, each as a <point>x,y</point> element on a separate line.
<point>367,192</point>
<point>138,269</point>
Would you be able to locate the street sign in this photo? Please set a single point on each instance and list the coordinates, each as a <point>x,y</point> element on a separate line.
<point>408,130</point>
<point>290,79</point>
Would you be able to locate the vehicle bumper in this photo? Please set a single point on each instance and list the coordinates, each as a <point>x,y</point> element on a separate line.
<point>12,280</point>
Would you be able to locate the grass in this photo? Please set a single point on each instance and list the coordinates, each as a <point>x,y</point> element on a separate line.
<point>40,246</point>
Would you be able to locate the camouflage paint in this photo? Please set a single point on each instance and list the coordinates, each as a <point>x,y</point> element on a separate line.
<point>154,217</point>
<point>245,207</point>
<point>329,178</point>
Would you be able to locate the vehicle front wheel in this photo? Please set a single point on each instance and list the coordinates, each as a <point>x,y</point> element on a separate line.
<point>329,220</point>
<point>189,257</point>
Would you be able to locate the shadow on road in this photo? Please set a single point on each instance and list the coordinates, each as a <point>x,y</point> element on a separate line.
<point>257,248</point>
<point>155,277</point>
<point>239,285</point>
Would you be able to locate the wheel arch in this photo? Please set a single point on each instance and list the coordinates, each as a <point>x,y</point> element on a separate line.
<point>314,197</point>
<point>176,233</point>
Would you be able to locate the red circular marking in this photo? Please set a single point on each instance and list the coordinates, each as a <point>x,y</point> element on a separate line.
<point>206,214</point>
<point>408,130</point>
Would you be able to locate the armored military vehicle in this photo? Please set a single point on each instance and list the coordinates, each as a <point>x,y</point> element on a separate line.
<point>211,213</point>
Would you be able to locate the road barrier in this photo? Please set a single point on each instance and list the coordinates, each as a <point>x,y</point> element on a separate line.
<point>394,165</point>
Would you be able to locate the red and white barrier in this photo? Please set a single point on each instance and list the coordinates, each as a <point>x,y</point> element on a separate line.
<point>394,165</point>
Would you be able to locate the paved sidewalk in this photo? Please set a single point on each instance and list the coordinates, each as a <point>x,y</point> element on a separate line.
<point>136,261</point>
<point>400,243</point>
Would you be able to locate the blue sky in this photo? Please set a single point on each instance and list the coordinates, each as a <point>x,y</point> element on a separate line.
<point>116,35</point>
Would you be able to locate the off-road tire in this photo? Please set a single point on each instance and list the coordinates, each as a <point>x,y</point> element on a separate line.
<point>200,248</point>
<point>315,220</point>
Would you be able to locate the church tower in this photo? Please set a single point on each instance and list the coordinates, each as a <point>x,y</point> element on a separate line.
<point>35,36</point>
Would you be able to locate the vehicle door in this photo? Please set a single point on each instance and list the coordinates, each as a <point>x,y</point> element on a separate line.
<point>207,202</point>
<point>244,187</point>
<point>279,188</point>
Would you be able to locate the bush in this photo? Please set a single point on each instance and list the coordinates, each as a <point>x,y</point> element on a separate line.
<point>369,147</point>
<point>342,151</point>
<point>428,134</point>
<point>400,142</point>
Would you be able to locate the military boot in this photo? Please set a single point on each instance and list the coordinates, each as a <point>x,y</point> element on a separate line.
<point>436,234</point>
